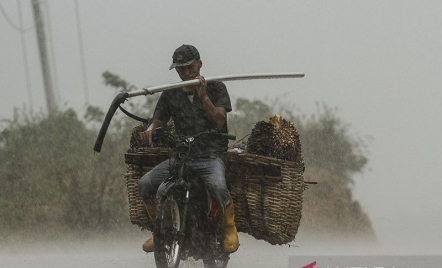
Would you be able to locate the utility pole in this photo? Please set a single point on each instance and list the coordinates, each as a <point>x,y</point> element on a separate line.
<point>41,39</point>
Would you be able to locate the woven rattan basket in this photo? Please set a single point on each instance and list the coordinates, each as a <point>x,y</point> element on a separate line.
<point>267,192</point>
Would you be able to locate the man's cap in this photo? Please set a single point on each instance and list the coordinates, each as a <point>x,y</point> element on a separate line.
<point>184,55</point>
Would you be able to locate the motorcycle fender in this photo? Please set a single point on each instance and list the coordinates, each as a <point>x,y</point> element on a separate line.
<point>164,188</point>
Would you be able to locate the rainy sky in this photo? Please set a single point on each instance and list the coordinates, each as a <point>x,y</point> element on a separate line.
<point>379,62</point>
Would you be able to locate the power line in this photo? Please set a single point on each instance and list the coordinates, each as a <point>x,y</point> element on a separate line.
<point>25,56</point>
<point>11,23</point>
<point>80,42</point>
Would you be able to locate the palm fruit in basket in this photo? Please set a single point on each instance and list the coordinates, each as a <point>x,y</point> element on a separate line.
<point>277,138</point>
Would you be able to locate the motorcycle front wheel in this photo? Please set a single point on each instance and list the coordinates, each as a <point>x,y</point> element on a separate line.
<point>166,235</point>
<point>216,262</point>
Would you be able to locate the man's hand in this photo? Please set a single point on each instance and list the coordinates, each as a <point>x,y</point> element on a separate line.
<point>201,89</point>
<point>216,115</point>
<point>146,136</point>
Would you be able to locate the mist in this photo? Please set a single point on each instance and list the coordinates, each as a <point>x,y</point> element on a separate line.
<point>378,62</point>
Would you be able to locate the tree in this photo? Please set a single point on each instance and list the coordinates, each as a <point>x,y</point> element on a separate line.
<point>51,180</point>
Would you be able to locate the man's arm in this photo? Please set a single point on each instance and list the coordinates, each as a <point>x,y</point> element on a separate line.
<point>216,115</point>
<point>161,116</point>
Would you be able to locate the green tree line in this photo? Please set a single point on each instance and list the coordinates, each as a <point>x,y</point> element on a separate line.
<point>52,184</point>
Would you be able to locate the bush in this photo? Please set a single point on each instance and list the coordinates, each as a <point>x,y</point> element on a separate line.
<point>51,180</point>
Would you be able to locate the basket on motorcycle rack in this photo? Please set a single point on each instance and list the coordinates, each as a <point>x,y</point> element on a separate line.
<point>138,162</point>
<point>267,191</point>
<point>267,194</point>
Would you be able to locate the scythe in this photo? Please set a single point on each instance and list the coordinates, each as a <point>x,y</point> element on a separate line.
<point>121,98</point>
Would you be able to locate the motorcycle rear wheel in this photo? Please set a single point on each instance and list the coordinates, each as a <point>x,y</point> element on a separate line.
<point>167,229</point>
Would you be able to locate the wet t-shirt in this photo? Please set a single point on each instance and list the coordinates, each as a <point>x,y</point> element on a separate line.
<point>190,117</point>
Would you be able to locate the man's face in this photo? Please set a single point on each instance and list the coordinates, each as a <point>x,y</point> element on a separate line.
<point>189,72</point>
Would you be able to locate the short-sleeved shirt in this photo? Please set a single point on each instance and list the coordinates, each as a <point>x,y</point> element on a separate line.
<point>190,118</point>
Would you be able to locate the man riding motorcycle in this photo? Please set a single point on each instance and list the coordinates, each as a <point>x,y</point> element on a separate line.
<point>194,110</point>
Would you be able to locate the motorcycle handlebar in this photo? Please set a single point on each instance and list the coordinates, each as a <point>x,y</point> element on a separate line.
<point>216,132</point>
<point>212,131</point>
<point>228,136</point>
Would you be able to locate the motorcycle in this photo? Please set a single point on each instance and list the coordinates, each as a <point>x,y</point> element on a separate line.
<point>186,224</point>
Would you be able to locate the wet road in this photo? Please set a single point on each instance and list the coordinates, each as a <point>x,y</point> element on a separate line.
<point>98,254</point>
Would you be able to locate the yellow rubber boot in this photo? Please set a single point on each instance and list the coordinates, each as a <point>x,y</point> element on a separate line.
<point>151,207</point>
<point>230,236</point>
<point>148,246</point>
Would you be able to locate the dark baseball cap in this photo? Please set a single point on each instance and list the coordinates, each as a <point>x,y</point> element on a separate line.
<point>184,55</point>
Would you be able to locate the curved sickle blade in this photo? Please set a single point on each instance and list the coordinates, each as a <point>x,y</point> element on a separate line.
<point>120,98</point>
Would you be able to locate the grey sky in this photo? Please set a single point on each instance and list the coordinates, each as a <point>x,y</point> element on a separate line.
<point>378,61</point>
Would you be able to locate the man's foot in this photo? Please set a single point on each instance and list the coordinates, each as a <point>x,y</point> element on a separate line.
<point>151,207</point>
<point>230,236</point>
<point>230,239</point>
<point>148,245</point>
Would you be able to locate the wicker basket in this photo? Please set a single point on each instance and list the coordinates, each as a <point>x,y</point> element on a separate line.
<point>267,192</point>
